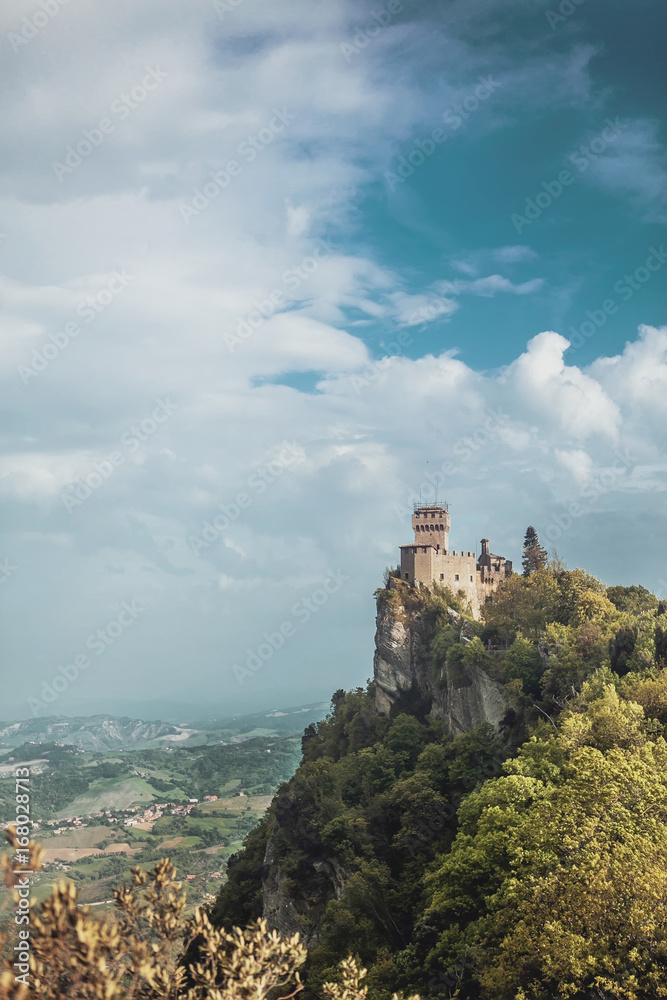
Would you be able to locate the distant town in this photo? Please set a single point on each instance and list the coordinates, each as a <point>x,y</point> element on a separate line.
<point>133,816</point>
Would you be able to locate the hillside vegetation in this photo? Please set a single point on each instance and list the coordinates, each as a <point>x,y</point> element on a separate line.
<point>521,865</point>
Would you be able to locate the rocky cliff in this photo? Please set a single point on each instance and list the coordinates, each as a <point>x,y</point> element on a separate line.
<point>290,910</point>
<point>406,676</point>
<point>407,679</point>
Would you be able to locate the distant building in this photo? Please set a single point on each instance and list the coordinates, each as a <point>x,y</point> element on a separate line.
<point>430,561</point>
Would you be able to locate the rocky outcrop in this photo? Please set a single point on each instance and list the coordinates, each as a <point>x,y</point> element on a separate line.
<point>278,905</point>
<point>478,702</point>
<point>406,676</point>
<point>286,907</point>
<point>402,665</point>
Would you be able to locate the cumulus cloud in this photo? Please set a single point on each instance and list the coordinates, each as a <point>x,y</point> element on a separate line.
<point>638,376</point>
<point>564,394</point>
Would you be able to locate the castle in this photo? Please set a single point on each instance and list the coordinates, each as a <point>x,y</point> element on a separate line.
<point>430,561</point>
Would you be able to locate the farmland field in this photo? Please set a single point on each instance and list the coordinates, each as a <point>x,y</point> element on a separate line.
<point>109,793</point>
<point>98,813</point>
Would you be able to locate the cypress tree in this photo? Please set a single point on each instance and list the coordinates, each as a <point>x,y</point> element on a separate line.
<point>534,555</point>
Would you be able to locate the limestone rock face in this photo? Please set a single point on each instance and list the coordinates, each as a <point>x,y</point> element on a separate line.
<point>283,912</point>
<point>468,707</point>
<point>406,677</point>
<point>401,662</point>
<point>287,908</point>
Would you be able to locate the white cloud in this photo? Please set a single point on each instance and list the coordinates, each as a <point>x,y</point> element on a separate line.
<point>577,462</point>
<point>638,376</point>
<point>34,476</point>
<point>563,395</point>
<point>514,254</point>
<point>636,166</point>
<point>495,283</point>
<point>368,434</point>
<point>477,260</point>
<point>441,301</point>
<point>411,310</point>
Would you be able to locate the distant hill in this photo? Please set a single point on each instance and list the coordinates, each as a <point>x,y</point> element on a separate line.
<point>94,733</point>
<point>108,732</point>
<point>53,753</point>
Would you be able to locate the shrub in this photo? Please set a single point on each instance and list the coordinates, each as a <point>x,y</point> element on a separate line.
<point>137,956</point>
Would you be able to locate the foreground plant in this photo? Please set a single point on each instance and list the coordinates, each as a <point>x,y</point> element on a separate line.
<point>138,955</point>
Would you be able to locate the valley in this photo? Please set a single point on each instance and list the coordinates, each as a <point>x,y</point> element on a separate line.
<point>192,793</point>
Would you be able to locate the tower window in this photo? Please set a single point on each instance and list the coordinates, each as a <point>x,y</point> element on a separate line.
<point>471,580</point>
<point>456,576</point>
<point>442,576</point>
<point>407,577</point>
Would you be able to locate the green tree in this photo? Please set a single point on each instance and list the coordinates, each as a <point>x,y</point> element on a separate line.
<point>660,638</point>
<point>632,599</point>
<point>534,555</point>
<point>523,662</point>
<point>556,879</point>
<point>522,604</point>
<point>572,585</point>
<point>621,648</point>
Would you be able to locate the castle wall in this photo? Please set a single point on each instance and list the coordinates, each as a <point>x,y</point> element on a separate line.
<point>457,570</point>
<point>460,571</point>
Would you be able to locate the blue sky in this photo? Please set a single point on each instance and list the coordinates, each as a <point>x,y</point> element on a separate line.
<point>465,194</point>
<point>286,266</point>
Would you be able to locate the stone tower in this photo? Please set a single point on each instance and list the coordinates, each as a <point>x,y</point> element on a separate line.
<point>431,524</point>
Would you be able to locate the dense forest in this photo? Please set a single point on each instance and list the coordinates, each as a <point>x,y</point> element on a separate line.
<point>523,864</point>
